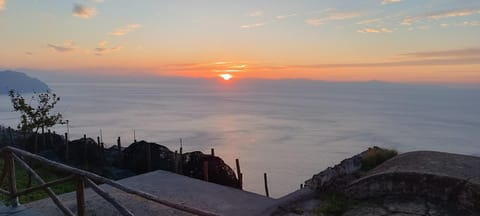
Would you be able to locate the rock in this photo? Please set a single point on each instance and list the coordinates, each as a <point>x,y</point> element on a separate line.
<point>85,153</point>
<point>341,174</point>
<point>135,157</point>
<point>366,210</point>
<point>218,171</point>
<point>190,164</point>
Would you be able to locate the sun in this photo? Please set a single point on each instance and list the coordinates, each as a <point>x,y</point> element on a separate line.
<point>226,76</point>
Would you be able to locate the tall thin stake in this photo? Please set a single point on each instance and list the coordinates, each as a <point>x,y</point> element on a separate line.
<point>266,184</point>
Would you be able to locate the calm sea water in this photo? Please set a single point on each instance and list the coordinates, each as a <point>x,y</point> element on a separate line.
<point>288,129</point>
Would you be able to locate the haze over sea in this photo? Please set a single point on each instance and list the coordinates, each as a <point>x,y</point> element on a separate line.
<point>290,129</point>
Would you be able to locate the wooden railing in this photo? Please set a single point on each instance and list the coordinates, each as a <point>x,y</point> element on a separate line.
<point>12,155</point>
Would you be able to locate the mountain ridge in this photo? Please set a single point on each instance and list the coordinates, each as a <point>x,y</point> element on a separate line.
<point>20,82</point>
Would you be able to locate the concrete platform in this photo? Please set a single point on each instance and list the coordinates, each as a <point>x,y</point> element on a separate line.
<point>169,186</point>
<point>16,211</point>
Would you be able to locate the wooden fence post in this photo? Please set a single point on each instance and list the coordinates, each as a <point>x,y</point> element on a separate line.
<point>239,173</point>
<point>85,161</point>
<point>149,158</point>
<point>98,142</point>
<point>10,135</point>
<point>119,148</point>
<point>12,180</point>
<point>180,158</point>
<point>80,196</point>
<point>205,170</point>
<point>66,148</point>
<point>266,184</point>
<point>175,162</point>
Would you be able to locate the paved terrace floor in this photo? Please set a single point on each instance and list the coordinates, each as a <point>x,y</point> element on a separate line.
<point>169,186</point>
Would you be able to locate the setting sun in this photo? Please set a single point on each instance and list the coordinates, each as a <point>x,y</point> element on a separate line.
<point>226,76</point>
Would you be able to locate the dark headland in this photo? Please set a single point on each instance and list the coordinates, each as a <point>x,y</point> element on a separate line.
<point>20,82</point>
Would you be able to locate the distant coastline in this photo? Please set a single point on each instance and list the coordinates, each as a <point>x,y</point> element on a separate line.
<point>20,82</point>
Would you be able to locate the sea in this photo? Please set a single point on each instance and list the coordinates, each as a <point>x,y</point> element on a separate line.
<point>289,129</point>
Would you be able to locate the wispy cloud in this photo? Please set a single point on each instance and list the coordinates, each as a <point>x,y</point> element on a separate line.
<point>454,13</point>
<point>384,2</point>
<point>254,25</point>
<point>333,16</point>
<point>407,21</point>
<point>67,46</point>
<point>83,11</point>
<point>469,52</point>
<point>374,30</point>
<point>467,56</point>
<point>314,22</point>
<point>2,5</point>
<point>280,17</point>
<point>256,13</point>
<point>441,15</point>
<point>125,30</point>
<point>28,53</point>
<point>369,21</point>
<point>102,48</point>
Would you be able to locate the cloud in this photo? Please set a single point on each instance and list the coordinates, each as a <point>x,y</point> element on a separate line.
<point>28,53</point>
<point>256,13</point>
<point>314,22</point>
<point>470,52</point>
<point>369,21</point>
<point>102,48</point>
<point>280,17</point>
<point>83,11</point>
<point>373,30</point>
<point>254,25</point>
<point>333,16</point>
<point>2,5</point>
<point>454,13</point>
<point>125,30</point>
<point>384,2</point>
<point>441,15</point>
<point>67,46</point>
<point>469,56</point>
<point>407,21</point>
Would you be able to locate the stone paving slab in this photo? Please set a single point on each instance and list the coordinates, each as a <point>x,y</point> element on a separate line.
<point>16,211</point>
<point>169,186</point>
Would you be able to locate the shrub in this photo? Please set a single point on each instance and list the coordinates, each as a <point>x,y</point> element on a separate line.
<point>376,156</point>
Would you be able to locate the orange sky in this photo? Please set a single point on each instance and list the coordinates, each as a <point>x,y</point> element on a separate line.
<point>398,41</point>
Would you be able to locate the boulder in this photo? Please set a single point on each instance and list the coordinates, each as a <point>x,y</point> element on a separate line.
<point>84,153</point>
<point>218,171</point>
<point>135,157</point>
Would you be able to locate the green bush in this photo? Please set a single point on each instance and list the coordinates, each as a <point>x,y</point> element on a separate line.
<point>23,182</point>
<point>376,156</point>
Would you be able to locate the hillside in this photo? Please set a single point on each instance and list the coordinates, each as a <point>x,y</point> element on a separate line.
<point>21,82</point>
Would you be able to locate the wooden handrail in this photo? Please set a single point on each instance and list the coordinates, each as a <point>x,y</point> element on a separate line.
<point>83,176</point>
<point>48,184</point>
<point>110,199</point>
<point>49,191</point>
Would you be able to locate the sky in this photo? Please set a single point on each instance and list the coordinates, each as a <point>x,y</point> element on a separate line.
<point>410,41</point>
